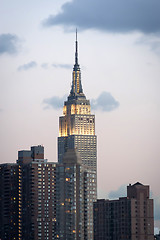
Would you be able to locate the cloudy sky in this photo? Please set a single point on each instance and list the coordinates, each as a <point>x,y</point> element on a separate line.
<point>119,54</point>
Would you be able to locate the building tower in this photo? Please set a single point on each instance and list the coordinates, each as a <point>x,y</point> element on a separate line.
<point>77,174</point>
<point>77,125</point>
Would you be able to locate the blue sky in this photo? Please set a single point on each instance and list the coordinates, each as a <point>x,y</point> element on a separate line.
<point>119,55</point>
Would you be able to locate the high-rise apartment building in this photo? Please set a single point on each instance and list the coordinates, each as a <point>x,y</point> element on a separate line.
<point>76,192</point>
<point>130,217</point>
<point>36,195</point>
<point>77,125</point>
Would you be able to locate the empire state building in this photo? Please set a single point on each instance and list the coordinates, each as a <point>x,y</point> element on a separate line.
<point>77,125</point>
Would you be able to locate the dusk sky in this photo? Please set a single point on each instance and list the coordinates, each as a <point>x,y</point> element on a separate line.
<point>119,56</point>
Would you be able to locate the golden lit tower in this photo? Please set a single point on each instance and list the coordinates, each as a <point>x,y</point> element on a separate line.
<point>77,125</point>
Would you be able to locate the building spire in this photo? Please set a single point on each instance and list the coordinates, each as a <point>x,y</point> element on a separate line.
<point>76,52</point>
<point>76,88</point>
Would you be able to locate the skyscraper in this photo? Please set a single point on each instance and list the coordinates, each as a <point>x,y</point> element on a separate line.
<point>77,125</point>
<point>77,157</point>
<point>129,217</point>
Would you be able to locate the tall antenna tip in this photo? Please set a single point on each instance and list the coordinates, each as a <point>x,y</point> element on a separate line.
<point>76,52</point>
<point>76,34</point>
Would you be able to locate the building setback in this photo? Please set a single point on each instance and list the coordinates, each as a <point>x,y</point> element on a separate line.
<point>130,217</point>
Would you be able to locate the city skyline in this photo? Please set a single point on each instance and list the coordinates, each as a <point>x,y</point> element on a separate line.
<point>120,68</point>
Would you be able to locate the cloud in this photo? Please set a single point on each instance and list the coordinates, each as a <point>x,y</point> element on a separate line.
<point>9,43</point>
<point>44,65</point>
<point>66,66</point>
<point>152,41</point>
<point>120,192</point>
<point>109,15</point>
<point>27,66</point>
<point>57,65</point>
<point>105,102</point>
<point>54,102</point>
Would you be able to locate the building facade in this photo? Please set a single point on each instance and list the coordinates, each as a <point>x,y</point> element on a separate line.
<point>76,188</point>
<point>130,217</point>
<point>8,201</point>
<point>36,191</point>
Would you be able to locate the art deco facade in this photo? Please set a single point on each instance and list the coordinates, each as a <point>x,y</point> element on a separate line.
<point>77,125</point>
<point>130,217</point>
